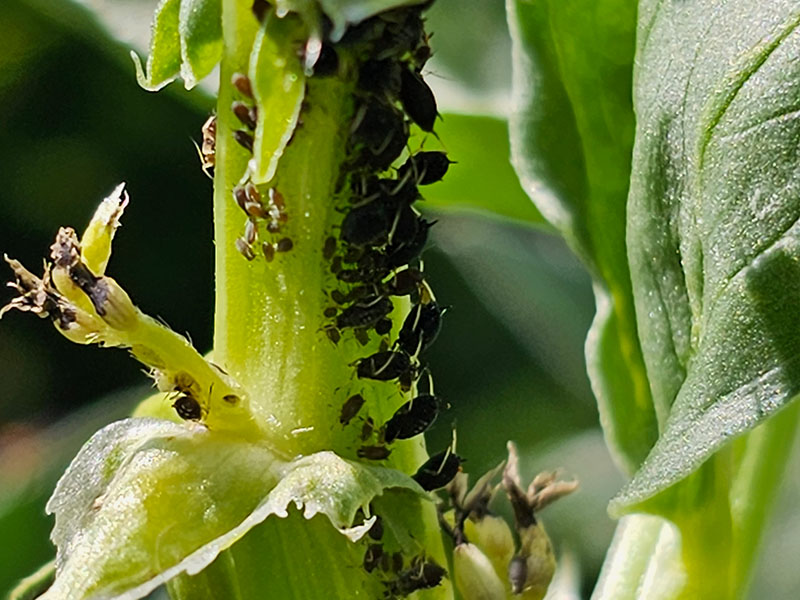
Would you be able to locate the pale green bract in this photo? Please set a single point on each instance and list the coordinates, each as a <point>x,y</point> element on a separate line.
<point>713,234</point>
<point>147,499</point>
<point>279,86</point>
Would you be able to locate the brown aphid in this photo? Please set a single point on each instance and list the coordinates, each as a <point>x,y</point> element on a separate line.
<point>329,248</point>
<point>330,312</point>
<point>362,335</point>
<point>244,114</point>
<point>284,245</point>
<point>240,195</point>
<point>276,198</point>
<point>350,408</point>
<point>242,83</point>
<point>245,249</point>
<point>268,250</point>
<point>254,209</point>
<point>374,452</point>
<point>244,139</point>
<point>250,231</point>
<point>333,334</point>
<point>336,264</point>
<point>367,428</point>
<point>187,408</point>
<point>253,195</point>
<point>273,227</point>
<point>208,144</point>
<point>338,297</point>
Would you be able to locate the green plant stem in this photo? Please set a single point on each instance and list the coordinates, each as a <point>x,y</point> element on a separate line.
<point>269,315</point>
<point>720,516</point>
<point>268,329</point>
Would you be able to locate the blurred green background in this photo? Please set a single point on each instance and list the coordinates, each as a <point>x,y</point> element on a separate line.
<point>73,124</point>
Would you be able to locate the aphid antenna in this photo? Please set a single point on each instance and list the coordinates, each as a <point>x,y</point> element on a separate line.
<point>404,180</point>
<point>204,166</point>
<point>451,449</point>
<point>385,144</point>
<point>358,119</point>
<point>390,237</point>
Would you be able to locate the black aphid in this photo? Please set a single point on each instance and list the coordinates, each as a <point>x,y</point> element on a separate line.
<point>187,408</point>
<point>350,408</point>
<point>383,131</point>
<point>403,252</point>
<point>420,328</point>
<point>376,531</point>
<point>420,575</point>
<point>380,77</point>
<point>417,100</point>
<point>385,366</point>
<point>284,245</point>
<point>372,557</point>
<point>425,167</point>
<point>383,326</point>
<point>374,452</point>
<point>412,418</point>
<point>368,225</point>
<point>404,283</point>
<point>364,314</point>
<point>438,471</point>
<point>327,64</point>
<point>329,248</point>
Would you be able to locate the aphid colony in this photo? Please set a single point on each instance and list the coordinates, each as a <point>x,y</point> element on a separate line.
<point>400,577</point>
<point>373,254</point>
<point>265,213</point>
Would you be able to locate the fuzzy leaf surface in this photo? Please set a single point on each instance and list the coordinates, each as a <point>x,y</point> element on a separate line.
<point>146,500</point>
<point>713,224</point>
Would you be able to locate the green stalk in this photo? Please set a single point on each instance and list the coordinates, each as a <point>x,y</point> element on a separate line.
<point>268,336</point>
<point>719,515</point>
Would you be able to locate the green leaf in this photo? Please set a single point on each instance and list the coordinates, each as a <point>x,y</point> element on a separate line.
<point>483,178</point>
<point>164,60</point>
<point>186,41</point>
<point>279,87</point>
<point>201,39</point>
<point>714,240</point>
<point>147,499</point>
<point>571,132</point>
